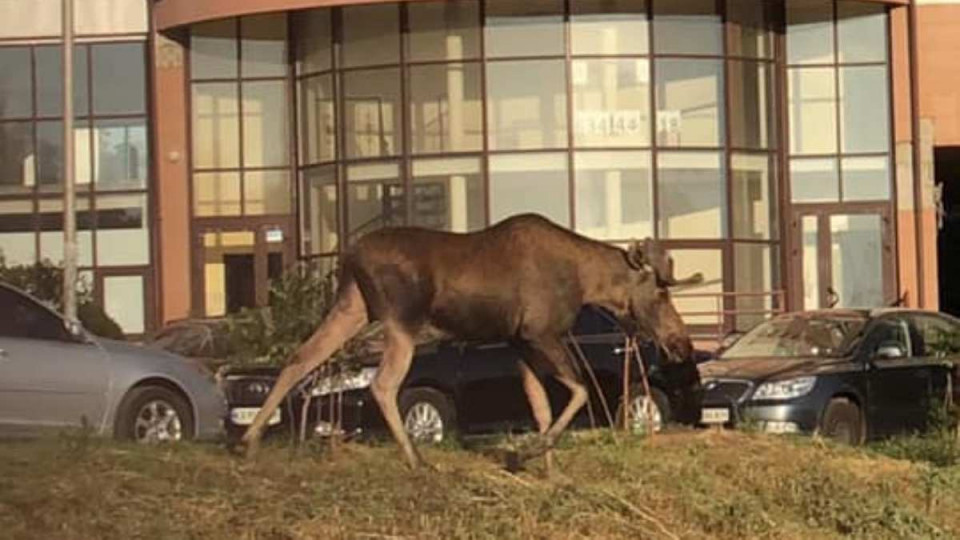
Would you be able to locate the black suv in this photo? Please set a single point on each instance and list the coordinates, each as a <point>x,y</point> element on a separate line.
<point>474,388</point>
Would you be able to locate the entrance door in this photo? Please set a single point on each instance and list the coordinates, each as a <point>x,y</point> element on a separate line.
<point>842,256</point>
<point>234,267</point>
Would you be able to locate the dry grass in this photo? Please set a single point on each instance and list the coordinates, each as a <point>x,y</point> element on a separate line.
<point>681,485</point>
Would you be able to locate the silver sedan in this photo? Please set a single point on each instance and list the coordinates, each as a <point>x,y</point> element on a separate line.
<point>54,375</point>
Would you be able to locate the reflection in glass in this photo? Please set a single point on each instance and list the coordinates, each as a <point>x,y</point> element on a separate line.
<point>263,45</point>
<point>751,121</point>
<point>375,198</point>
<point>690,195</point>
<point>810,239</point>
<point>314,40</point>
<point>15,82</point>
<point>372,113</point>
<point>609,27</point>
<point>865,113</point>
<point>810,32</point>
<point>371,35</point>
<point>18,248</point>
<point>49,155</point>
<point>535,183</point>
<point>751,28</point>
<point>611,100</point>
<point>614,195</point>
<point>527,104</point>
<point>445,30</point>
<point>17,157</point>
<point>228,270</point>
<point>318,126</point>
<point>51,245</point>
<point>866,178</point>
<point>17,240</point>
<point>448,194</point>
<point>123,300</point>
<point>123,237</point>
<point>856,261</point>
<point>49,73</point>
<point>319,212</point>
<point>265,123</point>
<point>119,78</point>
<point>216,126</point>
<point>213,50</point>
<point>529,28</point>
<point>689,102</point>
<point>814,180</point>
<point>702,299</point>
<point>266,193</point>
<point>755,271</point>
<point>812,102</point>
<point>446,112</point>
<point>689,27</point>
<point>751,179</point>
<point>216,194</point>
<point>120,154</point>
<point>862,32</point>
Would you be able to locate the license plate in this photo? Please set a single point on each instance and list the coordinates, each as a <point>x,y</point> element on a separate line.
<point>715,416</point>
<point>243,416</point>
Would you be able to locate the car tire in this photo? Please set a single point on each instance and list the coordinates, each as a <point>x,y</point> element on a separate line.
<point>843,422</point>
<point>661,410</point>
<point>154,414</point>
<point>428,415</point>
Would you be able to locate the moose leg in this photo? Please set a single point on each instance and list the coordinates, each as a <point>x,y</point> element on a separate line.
<point>348,316</point>
<point>539,404</point>
<point>396,362</point>
<point>554,351</point>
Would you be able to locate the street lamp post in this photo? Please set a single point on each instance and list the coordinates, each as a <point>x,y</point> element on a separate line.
<point>69,187</point>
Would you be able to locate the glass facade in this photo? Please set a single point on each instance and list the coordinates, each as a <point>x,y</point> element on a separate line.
<point>112,149</point>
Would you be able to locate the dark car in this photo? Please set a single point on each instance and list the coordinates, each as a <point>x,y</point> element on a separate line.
<point>473,389</point>
<point>852,375</point>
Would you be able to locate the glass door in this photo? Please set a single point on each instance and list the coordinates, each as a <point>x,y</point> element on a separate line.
<point>842,257</point>
<point>234,267</point>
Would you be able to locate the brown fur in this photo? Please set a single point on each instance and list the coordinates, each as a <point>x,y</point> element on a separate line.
<point>522,280</point>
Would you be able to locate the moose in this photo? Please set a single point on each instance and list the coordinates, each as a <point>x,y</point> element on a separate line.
<point>522,281</point>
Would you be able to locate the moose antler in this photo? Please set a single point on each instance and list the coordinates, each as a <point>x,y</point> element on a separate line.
<point>652,254</point>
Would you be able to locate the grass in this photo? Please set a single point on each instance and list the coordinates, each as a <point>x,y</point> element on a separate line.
<point>676,485</point>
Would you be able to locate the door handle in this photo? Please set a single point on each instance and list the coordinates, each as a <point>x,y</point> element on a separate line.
<point>4,356</point>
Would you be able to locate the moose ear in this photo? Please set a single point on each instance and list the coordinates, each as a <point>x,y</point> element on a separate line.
<point>636,256</point>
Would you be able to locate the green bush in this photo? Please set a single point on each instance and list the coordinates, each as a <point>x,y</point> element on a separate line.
<point>299,301</point>
<point>44,281</point>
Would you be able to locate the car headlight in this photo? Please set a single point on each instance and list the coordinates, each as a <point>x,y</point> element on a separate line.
<point>345,382</point>
<point>785,389</point>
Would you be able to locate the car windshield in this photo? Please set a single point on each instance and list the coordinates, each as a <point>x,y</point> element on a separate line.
<point>798,336</point>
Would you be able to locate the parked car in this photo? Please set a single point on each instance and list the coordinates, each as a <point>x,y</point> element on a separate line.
<point>472,389</point>
<point>205,340</point>
<point>54,375</point>
<point>853,375</point>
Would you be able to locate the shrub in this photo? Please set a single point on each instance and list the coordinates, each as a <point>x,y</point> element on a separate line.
<point>299,301</point>
<point>44,281</point>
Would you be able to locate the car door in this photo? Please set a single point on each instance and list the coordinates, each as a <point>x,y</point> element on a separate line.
<point>48,379</point>
<point>937,342</point>
<point>898,380</point>
<point>490,389</point>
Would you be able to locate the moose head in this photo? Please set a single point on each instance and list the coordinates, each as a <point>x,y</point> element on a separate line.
<point>650,311</point>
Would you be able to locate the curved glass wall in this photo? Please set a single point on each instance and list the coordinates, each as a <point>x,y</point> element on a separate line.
<point>618,119</point>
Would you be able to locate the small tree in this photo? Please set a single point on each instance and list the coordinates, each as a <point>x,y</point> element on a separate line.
<point>299,302</point>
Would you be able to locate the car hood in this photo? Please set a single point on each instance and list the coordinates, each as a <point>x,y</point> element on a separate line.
<point>119,349</point>
<point>766,368</point>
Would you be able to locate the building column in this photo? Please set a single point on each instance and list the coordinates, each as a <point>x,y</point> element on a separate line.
<point>172,191</point>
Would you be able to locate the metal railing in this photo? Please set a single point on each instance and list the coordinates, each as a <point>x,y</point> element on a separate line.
<point>725,312</point>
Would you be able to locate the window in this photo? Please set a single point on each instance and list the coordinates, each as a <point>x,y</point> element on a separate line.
<point>371,35</point>
<point>891,333</point>
<point>448,194</point>
<point>529,183</point>
<point>689,102</point>
<point>936,336</point>
<point>446,111</point>
<point>27,320</point>
<point>690,193</point>
<point>529,28</point>
<point>611,102</point>
<point>444,30</point>
<point>689,27</point>
<point>609,27</point>
<point>527,106</point>
<point>614,195</point>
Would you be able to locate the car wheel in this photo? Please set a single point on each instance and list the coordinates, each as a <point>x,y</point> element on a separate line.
<point>842,422</point>
<point>428,416</point>
<point>645,410</point>
<point>154,414</point>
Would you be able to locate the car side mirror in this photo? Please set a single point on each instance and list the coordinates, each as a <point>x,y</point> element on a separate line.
<point>889,350</point>
<point>76,331</point>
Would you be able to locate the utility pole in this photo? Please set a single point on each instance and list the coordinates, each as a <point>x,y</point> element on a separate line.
<point>69,187</point>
